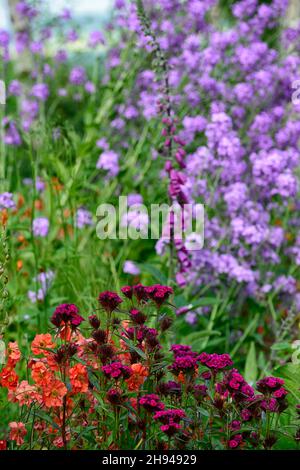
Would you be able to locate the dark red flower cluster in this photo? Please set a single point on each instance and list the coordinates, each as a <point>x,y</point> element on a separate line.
<point>185,360</point>
<point>158,293</point>
<point>185,364</point>
<point>233,383</point>
<point>273,394</point>
<point>269,384</point>
<point>151,403</point>
<point>114,396</point>
<point>109,300</point>
<point>235,441</point>
<point>215,361</point>
<point>170,420</point>
<point>116,370</point>
<point>66,314</point>
<point>137,316</point>
<point>127,291</point>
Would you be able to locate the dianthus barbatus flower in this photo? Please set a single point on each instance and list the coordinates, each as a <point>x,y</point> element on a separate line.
<point>215,361</point>
<point>109,300</point>
<point>127,291</point>
<point>66,314</point>
<point>151,402</point>
<point>158,293</point>
<point>140,292</point>
<point>116,370</point>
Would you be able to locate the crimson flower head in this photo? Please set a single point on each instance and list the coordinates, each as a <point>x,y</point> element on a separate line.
<point>269,384</point>
<point>66,314</point>
<point>215,361</point>
<point>114,396</point>
<point>127,291</point>
<point>151,403</point>
<point>159,294</point>
<point>137,316</point>
<point>140,292</point>
<point>94,321</point>
<point>116,370</point>
<point>170,421</point>
<point>109,300</point>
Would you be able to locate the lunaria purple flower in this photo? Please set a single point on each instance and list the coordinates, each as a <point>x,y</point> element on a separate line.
<point>109,161</point>
<point>84,218</point>
<point>134,199</point>
<point>11,133</point>
<point>4,38</point>
<point>15,88</point>
<point>77,76</point>
<point>6,201</point>
<point>130,267</point>
<point>40,91</point>
<point>44,281</point>
<point>40,227</point>
<point>96,37</point>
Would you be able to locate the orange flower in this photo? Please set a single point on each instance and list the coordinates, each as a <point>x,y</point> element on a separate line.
<point>56,184</point>
<point>53,394</point>
<point>41,343</point>
<point>4,217</point>
<point>19,265</point>
<point>38,204</point>
<point>8,378</point>
<point>25,393</point>
<point>138,377</point>
<point>14,354</point>
<point>79,379</point>
<point>17,432</point>
<point>40,374</point>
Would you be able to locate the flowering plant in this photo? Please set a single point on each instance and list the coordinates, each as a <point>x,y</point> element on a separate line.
<point>114,385</point>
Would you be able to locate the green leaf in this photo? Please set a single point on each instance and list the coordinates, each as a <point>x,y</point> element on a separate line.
<point>291,375</point>
<point>251,365</point>
<point>280,346</point>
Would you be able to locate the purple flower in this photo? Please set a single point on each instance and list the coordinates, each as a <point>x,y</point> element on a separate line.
<point>77,76</point>
<point>130,267</point>
<point>96,37</point>
<point>83,218</point>
<point>6,201</point>
<point>40,91</point>
<point>40,227</point>
<point>15,88</point>
<point>109,161</point>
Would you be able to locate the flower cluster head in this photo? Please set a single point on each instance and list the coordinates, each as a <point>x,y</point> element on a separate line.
<point>117,371</point>
<point>159,294</point>
<point>274,394</point>
<point>137,316</point>
<point>215,361</point>
<point>127,291</point>
<point>151,403</point>
<point>185,360</point>
<point>234,384</point>
<point>115,396</point>
<point>109,300</point>
<point>66,314</point>
<point>269,384</point>
<point>170,420</point>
